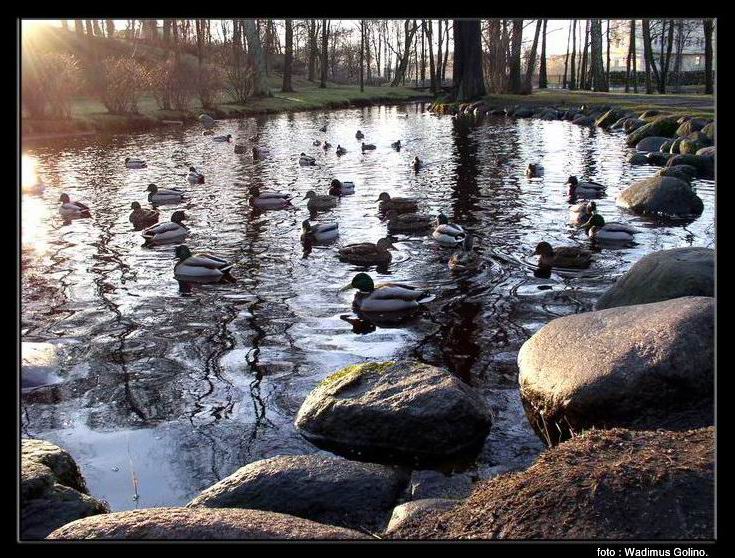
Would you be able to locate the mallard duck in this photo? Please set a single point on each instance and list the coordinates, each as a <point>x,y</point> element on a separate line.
<point>158,195</point>
<point>570,257</point>
<point>416,163</point>
<point>367,146</point>
<point>323,232</point>
<point>316,143</point>
<point>208,133</point>
<point>319,202</point>
<point>306,160</point>
<point>132,163</point>
<point>326,145</point>
<point>385,298</point>
<point>581,212</point>
<point>338,188</point>
<point>269,200</point>
<point>142,218</point>
<point>407,222</point>
<point>584,189</point>
<point>534,170</point>
<point>464,258</point>
<point>446,233</point>
<point>323,128</point>
<point>359,135</point>
<point>240,149</point>
<point>367,253</point>
<point>201,268</point>
<point>341,150</point>
<point>259,153</point>
<point>396,145</point>
<point>72,210</point>
<point>402,205</point>
<point>226,138</point>
<point>598,229</point>
<point>167,233</point>
<point>194,176</point>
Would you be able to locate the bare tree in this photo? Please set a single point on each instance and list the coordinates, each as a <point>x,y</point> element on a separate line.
<point>599,83</point>
<point>467,67</point>
<point>542,80</point>
<point>648,56</point>
<point>110,25</point>
<point>362,55</point>
<point>325,53</point>
<point>708,26</point>
<point>515,56</point>
<point>288,58</point>
<point>255,49</point>
<point>573,71</point>
<point>566,59</point>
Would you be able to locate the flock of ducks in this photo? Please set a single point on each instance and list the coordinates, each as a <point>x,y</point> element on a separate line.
<point>401,215</point>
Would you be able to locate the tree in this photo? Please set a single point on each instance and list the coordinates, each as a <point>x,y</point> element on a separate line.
<point>599,83</point>
<point>288,57</point>
<point>110,25</point>
<point>648,55</point>
<point>325,53</point>
<point>528,85</point>
<point>468,79</point>
<point>313,30</point>
<point>708,26</point>
<point>88,25</point>
<point>79,26</point>
<point>403,56</point>
<point>362,55</point>
<point>573,71</point>
<point>583,81</point>
<point>542,80</point>
<point>665,62</point>
<point>515,56</point>
<point>566,59</point>
<point>255,49</point>
<point>429,25</point>
<point>607,66</point>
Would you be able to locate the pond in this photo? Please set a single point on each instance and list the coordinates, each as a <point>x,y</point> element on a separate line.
<point>163,393</point>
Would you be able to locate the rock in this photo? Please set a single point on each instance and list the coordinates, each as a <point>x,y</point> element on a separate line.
<point>644,366</point>
<point>675,146</point>
<point>39,366</point>
<point>619,123</point>
<point>523,112</point>
<point>584,121</point>
<point>549,115</point>
<point>206,120</point>
<point>693,143</point>
<point>658,159</point>
<point>651,143</point>
<point>666,146</point>
<point>649,114</point>
<point>706,152</point>
<point>661,195</point>
<point>199,524</point>
<point>691,125</point>
<point>609,118</point>
<point>435,484</point>
<point>709,131</point>
<point>664,275</point>
<point>605,484</point>
<point>705,165</point>
<point>53,491</point>
<point>638,159</point>
<point>663,126</point>
<point>395,411</point>
<point>677,172</point>
<point>324,489</point>
<point>415,510</point>
<point>632,124</point>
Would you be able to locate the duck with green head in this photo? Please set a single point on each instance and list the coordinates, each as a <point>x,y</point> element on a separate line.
<point>400,205</point>
<point>72,210</point>
<point>321,233</point>
<point>577,189</point>
<point>391,298</point>
<point>167,233</point>
<point>159,196</point>
<point>339,188</point>
<point>317,202</point>
<point>446,233</point>
<point>201,268</point>
<point>367,253</point>
<point>598,229</point>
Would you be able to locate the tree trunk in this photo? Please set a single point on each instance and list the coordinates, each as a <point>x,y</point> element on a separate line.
<point>599,83</point>
<point>531,65</point>
<point>439,56</point>
<point>469,83</point>
<point>573,70</point>
<point>362,55</point>
<point>583,81</point>
<point>97,28</point>
<point>542,81</point>
<point>255,49</point>
<point>631,43</point>
<point>110,24</point>
<point>405,56</point>
<point>708,26</point>
<point>423,52</point>
<point>607,66</point>
<point>634,55</point>
<point>432,70</point>
<point>515,56</point>
<point>446,49</point>
<point>325,54</point>
<point>648,55</point>
<point>88,25</point>
<point>566,59</point>
<point>313,31</point>
<point>665,64</point>
<point>288,58</point>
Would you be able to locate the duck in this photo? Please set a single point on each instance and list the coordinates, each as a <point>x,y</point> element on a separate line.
<point>269,200</point>
<point>323,128</point>
<point>570,257</point>
<point>396,145</point>
<point>72,210</point>
<point>464,258</point>
<point>341,150</point>
<point>585,189</point>
<point>319,202</point>
<point>167,233</point>
<point>534,170</point>
<point>208,133</point>
<point>194,176</point>
<point>385,298</point>
<point>367,253</point>
<point>132,163</point>
<point>323,232</point>
<point>359,134</point>
<point>316,143</point>
<point>402,205</point>
<point>446,233</point>
<point>416,164</point>
<point>306,160</point>
<point>158,195</point>
<point>259,153</point>
<point>142,218</point>
<point>226,138</point>
<point>581,212</point>
<point>367,146</point>
<point>339,188</point>
<point>598,229</point>
<point>407,222</point>
<point>240,148</point>
<point>326,146</point>
<point>201,268</point>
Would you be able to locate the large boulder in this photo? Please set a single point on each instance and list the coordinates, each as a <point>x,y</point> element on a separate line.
<point>206,120</point>
<point>705,165</point>
<point>649,114</point>
<point>609,118</point>
<point>604,484</point>
<point>658,159</point>
<point>645,366</point>
<point>662,126</point>
<point>632,124</point>
<point>694,142</point>
<point>395,411</point>
<point>706,151</point>
<point>638,159</point>
<point>584,120</point>
<point>199,524</point>
<point>414,511</point>
<point>664,275</point>
<point>709,131</point>
<point>661,195</point>
<point>681,172</point>
<point>690,126</point>
<point>52,490</point>
<point>324,489</point>
<point>651,143</point>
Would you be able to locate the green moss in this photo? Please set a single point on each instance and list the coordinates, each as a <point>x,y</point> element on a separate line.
<point>347,375</point>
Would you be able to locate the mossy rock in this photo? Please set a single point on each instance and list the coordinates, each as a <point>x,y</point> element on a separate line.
<point>663,126</point>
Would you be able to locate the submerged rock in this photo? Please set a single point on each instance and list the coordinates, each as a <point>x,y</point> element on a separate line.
<point>705,165</point>
<point>200,524</point>
<point>638,159</point>
<point>661,195</point>
<point>644,366</point>
<point>681,172</point>
<point>52,490</point>
<point>664,275</point>
<point>584,121</point>
<point>395,411</point>
<point>609,484</point>
<point>325,489</point>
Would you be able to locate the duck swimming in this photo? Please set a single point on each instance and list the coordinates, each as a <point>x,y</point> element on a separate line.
<point>194,176</point>
<point>446,233</point>
<point>269,200</point>
<point>534,170</point>
<point>72,210</point>
<point>584,189</point>
<point>317,202</point>
<point>386,298</point>
<point>367,253</point>
<point>570,257</point>
<point>316,143</point>
<point>341,150</point>
<point>396,145</point>
<point>132,163</point>
<point>142,218</point>
<point>464,258</point>
<point>259,153</point>
<point>158,195</point>
<point>401,205</point>
<point>359,134</point>
<point>581,212</point>
<point>201,268</point>
<point>407,222</point>
<point>327,145</point>
<point>323,128</point>
<point>167,233</point>
<point>323,232</point>
<point>306,160</point>
<point>338,188</point>
<point>416,164</point>
<point>598,229</point>
<point>226,138</point>
<point>367,146</point>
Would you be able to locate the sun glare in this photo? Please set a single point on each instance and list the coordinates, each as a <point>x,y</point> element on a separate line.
<point>33,26</point>
<point>28,171</point>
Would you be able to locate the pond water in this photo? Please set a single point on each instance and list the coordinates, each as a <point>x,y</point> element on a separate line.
<point>163,393</point>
